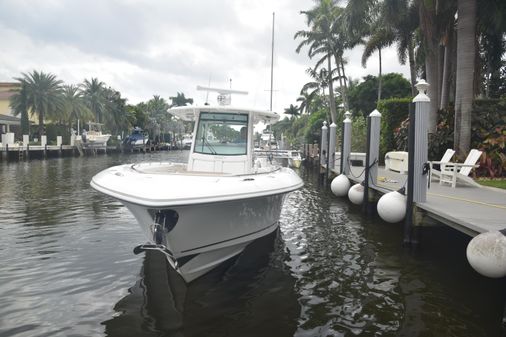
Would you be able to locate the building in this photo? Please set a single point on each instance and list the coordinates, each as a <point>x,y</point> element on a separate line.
<point>8,122</point>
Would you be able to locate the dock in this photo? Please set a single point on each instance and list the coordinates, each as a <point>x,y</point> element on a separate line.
<point>468,209</point>
<point>19,152</point>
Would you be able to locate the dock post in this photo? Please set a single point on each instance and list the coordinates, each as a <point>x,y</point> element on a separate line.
<point>26,144</point>
<point>332,146</point>
<point>43,142</point>
<point>346,144</point>
<point>323,147</point>
<point>324,144</point>
<point>59,141</point>
<point>417,159</point>
<point>372,157</point>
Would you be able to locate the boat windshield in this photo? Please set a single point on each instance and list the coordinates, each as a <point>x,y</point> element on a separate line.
<point>222,134</point>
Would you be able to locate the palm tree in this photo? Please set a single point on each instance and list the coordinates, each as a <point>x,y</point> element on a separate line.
<point>115,111</point>
<point>74,105</point>
<point>19,105</point>
<point>292,110</point>
<point>311,90</point>
<point>321,41</point>
<point>157,110</point>
<point>180,100</point>
<point>464,95</point>
<point>43,96</point>
<point>94,96</point>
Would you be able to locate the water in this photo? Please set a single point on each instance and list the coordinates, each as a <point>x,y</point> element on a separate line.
<point>67,269</point>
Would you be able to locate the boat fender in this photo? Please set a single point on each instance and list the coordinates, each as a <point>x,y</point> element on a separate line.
<point>356,194</point>
<point>392,207</point>
<point>486,253</point>
<point>340,185</point>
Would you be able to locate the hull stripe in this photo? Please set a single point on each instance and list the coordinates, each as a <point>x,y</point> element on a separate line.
<point>238,237</point>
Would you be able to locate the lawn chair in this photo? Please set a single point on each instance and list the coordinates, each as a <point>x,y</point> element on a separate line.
<point>442,164</point>
<point>454,172</point>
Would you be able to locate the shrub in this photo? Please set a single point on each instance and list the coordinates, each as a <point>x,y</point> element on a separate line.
<point>393,112</point>
<point>488,133</point>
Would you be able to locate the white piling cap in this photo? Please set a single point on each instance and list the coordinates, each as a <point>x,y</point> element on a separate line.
<point>422,87</point>
<point>347,116</point>
<point>324,125</point>
<point>375,113</point>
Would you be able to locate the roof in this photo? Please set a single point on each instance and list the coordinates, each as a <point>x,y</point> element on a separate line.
<point>9,120</point>
<point>189,113</point>
<point>6,94</point>
<point>9,84</point>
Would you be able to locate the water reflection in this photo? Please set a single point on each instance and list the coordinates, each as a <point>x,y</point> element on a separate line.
<point>67,265</point>
<point>251,295</point>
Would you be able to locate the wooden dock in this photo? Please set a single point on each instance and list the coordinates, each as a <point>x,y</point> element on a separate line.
<point>469,209</point>
<point>20,152</point>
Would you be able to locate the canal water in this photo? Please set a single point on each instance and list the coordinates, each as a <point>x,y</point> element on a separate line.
<point>67,269</point>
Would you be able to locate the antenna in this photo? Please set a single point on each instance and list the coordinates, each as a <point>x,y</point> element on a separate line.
<point>207,93</point>
<point>272,58</point>
<point>224,95</point>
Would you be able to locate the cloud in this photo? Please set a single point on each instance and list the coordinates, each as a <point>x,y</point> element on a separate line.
<point>143,48</point>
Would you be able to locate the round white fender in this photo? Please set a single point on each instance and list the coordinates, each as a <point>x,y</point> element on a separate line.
<point>392,207</point>
<point>356,194</point>
<point>486,253</point>
<point>340,185</point>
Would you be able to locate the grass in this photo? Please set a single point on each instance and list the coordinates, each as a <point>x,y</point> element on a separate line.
<point>498,183</point>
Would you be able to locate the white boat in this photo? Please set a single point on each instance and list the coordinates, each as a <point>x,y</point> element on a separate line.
<point>94,136</point>
<point>294,159</point>
<point>137,139</point>
<point>186,142</point>
<point>204,212</point>
<point>268,141</point>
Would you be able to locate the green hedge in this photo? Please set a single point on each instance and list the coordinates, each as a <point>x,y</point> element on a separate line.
<point>393,112</point>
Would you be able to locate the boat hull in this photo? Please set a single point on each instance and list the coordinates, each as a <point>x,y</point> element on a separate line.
<point>206,235</point>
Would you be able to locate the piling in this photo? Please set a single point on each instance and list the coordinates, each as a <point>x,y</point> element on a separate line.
<point>372,158</point>
<point>332,146</point>
<point>417,161</point>
<point>346,144</point>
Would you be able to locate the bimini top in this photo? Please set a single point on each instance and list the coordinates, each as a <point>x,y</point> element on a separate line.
<point>191,113</point>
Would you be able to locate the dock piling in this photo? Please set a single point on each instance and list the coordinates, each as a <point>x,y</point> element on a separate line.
<point>346,145</point>
<point>372,157</point>
<point>417,158</point>
<point>332,146</point>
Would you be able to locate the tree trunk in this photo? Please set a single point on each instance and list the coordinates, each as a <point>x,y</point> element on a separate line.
<point>431,70</point>
<point>379,78</point>
<point>41,124</point>
<point>345,92</point>
<point>412,65</point>
<point>332,102</point>
<point>428,26</point>
<point>445,83</point>
<point>466,49</point>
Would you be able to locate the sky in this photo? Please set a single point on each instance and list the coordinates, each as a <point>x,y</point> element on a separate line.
<point>162,47</point>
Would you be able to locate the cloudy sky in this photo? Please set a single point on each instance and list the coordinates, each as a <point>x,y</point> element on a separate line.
<point>161,47</point>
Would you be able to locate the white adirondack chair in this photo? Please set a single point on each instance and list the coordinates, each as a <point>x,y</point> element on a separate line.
<point>455,172</point>
<point>442,164</point>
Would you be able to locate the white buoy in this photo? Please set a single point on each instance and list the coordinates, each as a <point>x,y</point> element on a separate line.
<point>486,253</point>
<point>356,194</point>
<point>392,207</point>
<point>340,185</point>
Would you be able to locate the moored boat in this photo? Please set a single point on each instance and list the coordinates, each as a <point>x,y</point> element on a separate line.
<point>201,213</point>
<point>94,136</point>
<point>137,139</point>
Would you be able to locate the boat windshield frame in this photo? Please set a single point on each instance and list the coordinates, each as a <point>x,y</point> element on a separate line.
<point>222,133</point>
